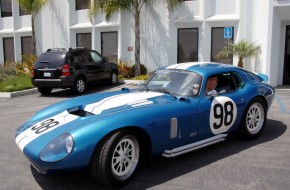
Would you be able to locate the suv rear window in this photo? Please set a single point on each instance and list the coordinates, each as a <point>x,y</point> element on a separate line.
<point>51,59</point>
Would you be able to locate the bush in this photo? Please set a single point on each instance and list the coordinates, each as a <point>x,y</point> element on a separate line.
<point>143,69</point>
<point>26,66</point>
<point>7,69</point>
<point>125,71</point>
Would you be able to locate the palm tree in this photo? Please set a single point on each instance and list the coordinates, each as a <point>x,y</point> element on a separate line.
<point>242,49</point>
<point>32,7</point>
<point>110,7</point>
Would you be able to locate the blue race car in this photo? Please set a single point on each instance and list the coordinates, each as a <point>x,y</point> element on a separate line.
<point>171,114</point>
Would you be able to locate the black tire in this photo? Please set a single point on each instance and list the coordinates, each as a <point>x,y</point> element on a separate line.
<point>79,86</point>
<point>112,166</point>
<point>113,78</point>
<point>254,119</point>
<point>44,90</point>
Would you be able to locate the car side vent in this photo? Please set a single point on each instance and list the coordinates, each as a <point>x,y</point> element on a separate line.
<point>81,113</point>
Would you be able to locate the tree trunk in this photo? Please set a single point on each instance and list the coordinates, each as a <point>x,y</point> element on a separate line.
<point>33,36</point>
<point>137,40</point>
<point>240,63</point>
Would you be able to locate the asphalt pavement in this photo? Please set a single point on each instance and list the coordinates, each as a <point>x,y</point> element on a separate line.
<point>263,163</point>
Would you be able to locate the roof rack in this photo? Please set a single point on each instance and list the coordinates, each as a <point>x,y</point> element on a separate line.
<point>55,49</point>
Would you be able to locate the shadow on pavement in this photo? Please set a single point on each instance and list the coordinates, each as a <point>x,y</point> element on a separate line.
<point>163,169</point>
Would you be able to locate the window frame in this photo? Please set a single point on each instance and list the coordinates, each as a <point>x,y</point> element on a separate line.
<point>6,14</point>
<point>77,40</point>
<point>211,43</point>
<point>4,49</point>
<point>178,40</point>
<point>80,5</point>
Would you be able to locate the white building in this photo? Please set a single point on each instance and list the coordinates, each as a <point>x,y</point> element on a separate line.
<point>193,32</point>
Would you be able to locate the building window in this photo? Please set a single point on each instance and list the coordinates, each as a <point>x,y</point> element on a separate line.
<point>187,49</point>
<point>26,45</point>
<point>6,8</point>
<point>109,41</point>
<point>84,40</point>
<point>22,12</point>
<point>82,4</point>
<point>8,47</point>
<point>218,43</point>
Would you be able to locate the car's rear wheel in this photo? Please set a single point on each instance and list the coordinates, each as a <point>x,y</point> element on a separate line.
<point>113,78</point>
<point>79,86</point>
<point>44,90</point>
<point>116,160</point>
<point>254,119</point>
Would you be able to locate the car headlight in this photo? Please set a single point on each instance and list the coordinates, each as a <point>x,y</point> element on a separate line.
<point>58,149</point>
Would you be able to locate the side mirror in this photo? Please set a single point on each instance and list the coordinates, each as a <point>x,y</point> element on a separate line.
<point>105,59</point>
<point>212,93</point>
<point>141,85</point>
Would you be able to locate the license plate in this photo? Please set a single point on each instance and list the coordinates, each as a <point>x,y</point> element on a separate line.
<point>47,74</point>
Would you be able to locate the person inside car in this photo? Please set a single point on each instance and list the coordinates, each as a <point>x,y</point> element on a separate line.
<point>211,84</point>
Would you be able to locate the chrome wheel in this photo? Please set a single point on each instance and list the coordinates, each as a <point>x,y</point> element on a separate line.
<point>125,157</point>
<point>80,85</point>
<point>114,78</point>
<point>255,118</point>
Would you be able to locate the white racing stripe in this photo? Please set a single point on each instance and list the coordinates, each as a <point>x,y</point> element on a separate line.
<point>43,127</point>
<point>121,100</point>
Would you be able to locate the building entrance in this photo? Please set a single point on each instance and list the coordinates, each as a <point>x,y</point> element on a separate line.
<point>286,74</point>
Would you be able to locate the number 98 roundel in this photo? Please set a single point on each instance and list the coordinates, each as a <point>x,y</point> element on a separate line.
<point>223,114</point>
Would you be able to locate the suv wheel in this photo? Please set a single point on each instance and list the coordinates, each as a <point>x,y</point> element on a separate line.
<point>114,78</point>
<point>44,90</point>
<point>79,86</point>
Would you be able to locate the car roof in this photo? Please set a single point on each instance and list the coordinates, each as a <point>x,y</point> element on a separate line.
<point>205,68</point>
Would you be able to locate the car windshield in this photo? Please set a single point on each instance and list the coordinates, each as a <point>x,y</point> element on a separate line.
<point>175,82</point>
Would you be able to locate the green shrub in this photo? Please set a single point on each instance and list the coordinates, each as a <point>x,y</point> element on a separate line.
<point>143,69</point>
<point>26,66</point>
<point>125,71</point>
<point>7,69</point>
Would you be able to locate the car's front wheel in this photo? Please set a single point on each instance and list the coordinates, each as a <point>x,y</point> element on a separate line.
<point>116,160</point>
<point>254,119</point>
<point>44,90</point>
<point>79,86</point>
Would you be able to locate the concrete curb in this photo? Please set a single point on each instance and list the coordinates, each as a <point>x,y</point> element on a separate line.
<point>18,93</point>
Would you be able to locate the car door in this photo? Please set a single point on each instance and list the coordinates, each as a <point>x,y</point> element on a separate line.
<point>222,113</point>
<point>103,67</point>
<point>90,69</point>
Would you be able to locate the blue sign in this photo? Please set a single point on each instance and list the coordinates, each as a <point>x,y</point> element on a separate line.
<point>228,33</point>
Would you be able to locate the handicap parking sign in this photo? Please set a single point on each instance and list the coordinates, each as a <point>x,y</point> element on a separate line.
<point>228,32</point>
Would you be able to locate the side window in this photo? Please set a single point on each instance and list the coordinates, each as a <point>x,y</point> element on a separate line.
<point>85,56</point>
<point>227,82</point>
<point>96,57</point>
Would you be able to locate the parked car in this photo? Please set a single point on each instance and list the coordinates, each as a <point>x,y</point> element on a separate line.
<point>72,68</point>
<point>113,132</point>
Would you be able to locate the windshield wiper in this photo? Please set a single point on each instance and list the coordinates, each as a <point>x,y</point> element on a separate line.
<point>164,90</point>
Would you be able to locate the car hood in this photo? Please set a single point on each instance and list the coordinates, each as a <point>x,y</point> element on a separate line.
<point>63,117</point>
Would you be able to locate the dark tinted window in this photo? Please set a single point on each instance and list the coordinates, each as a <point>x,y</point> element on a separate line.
<point>109,45</point>
<point>218,43</point>
<point>51,59</point>
<point>8,44</point>
<point>6,8</point>
<point>26,45</point>
<point>82,4</point>
<point>187,45</point>
<point>84,40</point>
